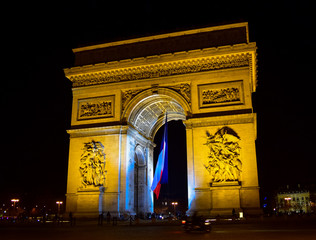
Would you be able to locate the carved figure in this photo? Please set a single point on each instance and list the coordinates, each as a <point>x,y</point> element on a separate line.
<point>224,163</point>
<point>184,89</point>
<point>100,108</point>
<point>220,95</point>
<point>92,167</point>
<point>128,95</point>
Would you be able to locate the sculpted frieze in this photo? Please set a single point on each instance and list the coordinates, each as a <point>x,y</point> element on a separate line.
<point>95,108</point>
<point>220,94</point>
<point>162,69</point>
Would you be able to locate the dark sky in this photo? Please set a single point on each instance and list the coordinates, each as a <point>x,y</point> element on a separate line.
<point>36,97</point>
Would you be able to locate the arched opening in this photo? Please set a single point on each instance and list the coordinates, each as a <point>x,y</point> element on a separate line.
<point>140,182</point>
<point>177,189</point>
<point>146,114</point>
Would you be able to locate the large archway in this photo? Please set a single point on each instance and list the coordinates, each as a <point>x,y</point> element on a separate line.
<point>146,114</point>
<point>121,92</point>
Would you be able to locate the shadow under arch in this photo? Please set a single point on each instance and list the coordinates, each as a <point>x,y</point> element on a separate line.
<point>146,111</point>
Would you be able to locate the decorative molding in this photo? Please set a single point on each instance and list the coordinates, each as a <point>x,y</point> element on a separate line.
<point>225,184</point>
<point>97,131</point>
<point>162,69</point>
<point>221,120</point>
<point>184,89</point>
<point>128,95</point>
<point>91,108</point>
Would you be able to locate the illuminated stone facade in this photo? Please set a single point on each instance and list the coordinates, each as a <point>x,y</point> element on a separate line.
<point>295,200</point>
<point>121,90</point>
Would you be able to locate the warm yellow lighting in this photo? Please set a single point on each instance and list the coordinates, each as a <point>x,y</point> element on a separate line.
<point>138,91</point>
<point>14,200</point>
<point>287,198</point>
<point>58,205</point>
<point>174,206</point>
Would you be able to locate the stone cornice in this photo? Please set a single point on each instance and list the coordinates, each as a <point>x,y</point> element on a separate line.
<point>101,131</point>
<point>97,131</point>
<point>221,120</point>
<point>240,55</point>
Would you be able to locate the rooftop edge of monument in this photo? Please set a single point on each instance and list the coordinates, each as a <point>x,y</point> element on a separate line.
<point>215,58</point>
<point>153,59</point>
<point>230,34</point>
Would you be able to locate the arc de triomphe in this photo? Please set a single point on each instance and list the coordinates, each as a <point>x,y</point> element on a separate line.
<point>121,90</point>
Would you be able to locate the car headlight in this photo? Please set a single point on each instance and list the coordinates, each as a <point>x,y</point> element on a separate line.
<point>207,222</point>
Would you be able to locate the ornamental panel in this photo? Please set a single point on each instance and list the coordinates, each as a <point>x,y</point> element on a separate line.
<point>221,94</point>
<point>100,107</point>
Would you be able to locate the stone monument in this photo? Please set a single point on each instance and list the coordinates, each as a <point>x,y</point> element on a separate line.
<point>121,90</point>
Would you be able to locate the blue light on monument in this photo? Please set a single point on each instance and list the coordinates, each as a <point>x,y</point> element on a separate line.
<point>129,176</point>
<point>191,195</point>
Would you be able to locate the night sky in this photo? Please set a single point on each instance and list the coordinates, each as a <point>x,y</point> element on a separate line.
<point>36,96</point>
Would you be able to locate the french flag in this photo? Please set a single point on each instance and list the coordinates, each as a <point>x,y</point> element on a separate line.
<point>161,172</point>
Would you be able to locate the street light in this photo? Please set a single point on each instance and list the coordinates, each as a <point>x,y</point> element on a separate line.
<point>14,201</point>
<point>174,206</point>
<point>58,205</point>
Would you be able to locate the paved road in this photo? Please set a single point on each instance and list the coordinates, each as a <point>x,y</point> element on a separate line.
<point>254,231</point>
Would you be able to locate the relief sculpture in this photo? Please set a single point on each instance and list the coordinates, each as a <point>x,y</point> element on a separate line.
<point>184,89</point>
<point>220,95</point>
<point>92,167</point>
<point>95,108</point>
<point>128,95</point>
<point>224,162</point>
